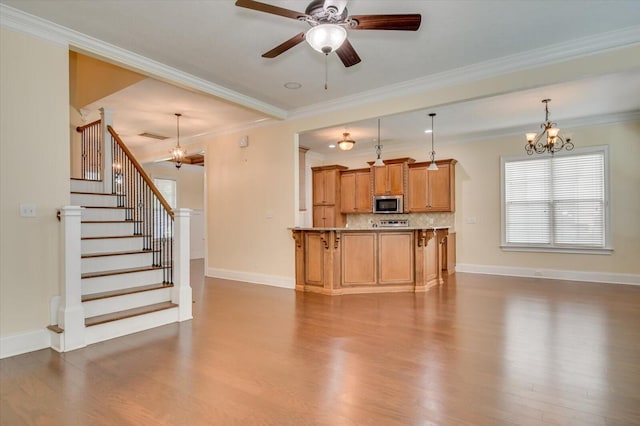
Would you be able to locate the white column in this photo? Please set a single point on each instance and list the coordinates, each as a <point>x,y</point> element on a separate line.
<point>106,115</point>
<point>70,311</point>
<point>181,291</point>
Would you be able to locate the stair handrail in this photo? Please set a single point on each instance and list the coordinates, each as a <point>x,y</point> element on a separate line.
<point>79,129</point>
<point>142,172</point>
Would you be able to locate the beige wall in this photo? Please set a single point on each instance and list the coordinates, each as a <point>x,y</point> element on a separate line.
<point>189,182</point>
<point>34,158</point>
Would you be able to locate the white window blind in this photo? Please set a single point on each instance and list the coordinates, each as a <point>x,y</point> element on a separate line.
<point>556,202</point>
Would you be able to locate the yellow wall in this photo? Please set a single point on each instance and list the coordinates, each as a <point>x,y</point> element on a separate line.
<point>34,158</point>
<point>92,79</point>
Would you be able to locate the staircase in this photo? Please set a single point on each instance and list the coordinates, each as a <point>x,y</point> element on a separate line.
<point>126,263</point>
<point>122,289</point>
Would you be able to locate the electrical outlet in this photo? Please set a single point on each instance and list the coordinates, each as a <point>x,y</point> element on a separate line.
<point>28,210</point>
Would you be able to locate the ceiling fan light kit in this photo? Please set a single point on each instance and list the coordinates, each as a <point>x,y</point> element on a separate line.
<point>329,21</point>
<point>326,38</point>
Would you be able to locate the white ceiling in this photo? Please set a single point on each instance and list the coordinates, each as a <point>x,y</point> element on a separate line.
<point>220,43</point>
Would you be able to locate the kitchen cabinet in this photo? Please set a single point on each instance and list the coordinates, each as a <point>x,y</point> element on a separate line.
<point>355,191</point>
<point>390,178</point>
<point>326,196</point>
<point>431,190</point>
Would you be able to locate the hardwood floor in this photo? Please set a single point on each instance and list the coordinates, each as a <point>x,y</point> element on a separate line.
<point>480,350</point>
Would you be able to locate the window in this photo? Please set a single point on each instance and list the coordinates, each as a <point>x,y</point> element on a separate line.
<point>167,188</point>
<point>556,203</point>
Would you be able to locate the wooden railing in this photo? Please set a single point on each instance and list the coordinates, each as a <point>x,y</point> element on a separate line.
<point>91,150</point>
<point>152,215</point>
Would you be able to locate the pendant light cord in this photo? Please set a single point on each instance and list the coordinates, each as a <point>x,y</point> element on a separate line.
<point>326,71</point>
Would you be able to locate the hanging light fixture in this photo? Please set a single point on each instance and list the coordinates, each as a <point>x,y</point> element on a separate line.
<point>549,139</point>
<point>178,153</point>
<point>378,162</point>
<point>433,165</point>
<point>326,38</point>
<point>346,143</point>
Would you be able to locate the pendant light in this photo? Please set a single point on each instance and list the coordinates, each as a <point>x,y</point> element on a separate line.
<point>346,143</point>
<point>378,162</point>
<point>433,165</point>
<point>178,153</point>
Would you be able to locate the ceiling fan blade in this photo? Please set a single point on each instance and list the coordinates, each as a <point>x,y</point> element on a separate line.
<point>267,8</point>
<point>281,48</point>
<point>347,54</point>
<point>407,22</point>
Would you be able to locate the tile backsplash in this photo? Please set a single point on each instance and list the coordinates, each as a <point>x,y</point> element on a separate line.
<point>415,219</point>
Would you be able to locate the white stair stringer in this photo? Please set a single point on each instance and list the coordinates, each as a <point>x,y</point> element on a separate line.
<point>116,260</point>
<point>104,283</point>
<point>107,305</point>
<point>123,327</point>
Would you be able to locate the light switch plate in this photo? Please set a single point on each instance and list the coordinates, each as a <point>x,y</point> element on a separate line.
<point>28,210</point>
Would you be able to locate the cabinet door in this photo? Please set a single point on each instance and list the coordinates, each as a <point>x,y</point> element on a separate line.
<point>318,187</point>
<point>363,201</point>
<point>380,180</point>
<point>440,189</point>
<point>330,182</point>
<point>348,193</point>
<point>418,184</point>
<point>395,179</point>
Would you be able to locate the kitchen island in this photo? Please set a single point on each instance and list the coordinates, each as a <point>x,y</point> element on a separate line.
<point>339,261</point>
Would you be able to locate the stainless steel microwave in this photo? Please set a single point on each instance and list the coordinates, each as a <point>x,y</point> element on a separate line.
<point>388,204</point>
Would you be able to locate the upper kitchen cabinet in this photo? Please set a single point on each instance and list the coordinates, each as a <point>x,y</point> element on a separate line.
<point>431,190</point>
<point>390,178</point>
<point>326,193</point>
<point>326,184</point>
<point>355,191</point>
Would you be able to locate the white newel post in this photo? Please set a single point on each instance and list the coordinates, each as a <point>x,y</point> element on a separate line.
<point>106,115</point>
<point>181,291</point>
<point>70,311</point>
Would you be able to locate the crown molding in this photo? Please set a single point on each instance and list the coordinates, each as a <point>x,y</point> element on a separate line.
<point>548,55</point>
<point>19,21</point>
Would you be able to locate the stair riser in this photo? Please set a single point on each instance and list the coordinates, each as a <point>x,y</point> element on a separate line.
<point>106,229</point>
<point>111,330</point>
<point>111,245</point>
<point>109,263</point>
<point>86,186</point>
<point>128,301</point>
<point>104,214</point>
<point>94,200</point>
<point>120,281</point>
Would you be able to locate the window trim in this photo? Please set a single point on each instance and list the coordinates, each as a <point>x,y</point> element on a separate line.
<point>606,249</point>
<point>175,181</point>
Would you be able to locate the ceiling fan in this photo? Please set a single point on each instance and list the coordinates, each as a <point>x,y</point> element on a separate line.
<point>329,20</point>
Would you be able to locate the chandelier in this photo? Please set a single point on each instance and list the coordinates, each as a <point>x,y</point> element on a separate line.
<point>178,153</point>
<point>346,143</point>
<point>549,139</point>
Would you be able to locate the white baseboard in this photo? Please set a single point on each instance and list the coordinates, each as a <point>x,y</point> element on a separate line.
<point>250,277</point>
<point>554,274</point>
<point>24,342</point>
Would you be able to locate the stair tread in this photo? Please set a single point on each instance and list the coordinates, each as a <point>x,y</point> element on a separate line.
<point>111,221</point>
<point>55,328</point>
<point>117,253</point>
<point>108,207</point>
<point>123,292</point>
<point>101,319</point>
<point>120,271</point>
<point>86,180</point>
<point>96,193</point>
<point>114,236</point>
